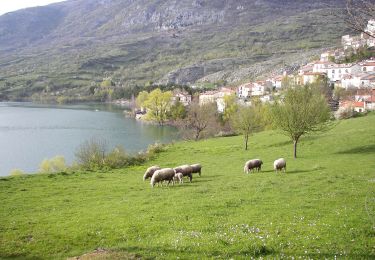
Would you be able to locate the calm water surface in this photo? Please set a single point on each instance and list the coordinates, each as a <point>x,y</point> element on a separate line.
<point>30,133</point>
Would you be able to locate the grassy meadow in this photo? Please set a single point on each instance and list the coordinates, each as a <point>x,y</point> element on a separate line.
<point>323,207</point>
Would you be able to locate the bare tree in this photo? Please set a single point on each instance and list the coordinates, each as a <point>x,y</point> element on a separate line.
<point>356,15</point>
<point>200,119</point>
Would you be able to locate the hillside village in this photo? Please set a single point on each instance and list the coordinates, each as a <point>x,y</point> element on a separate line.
<point>358,78</point>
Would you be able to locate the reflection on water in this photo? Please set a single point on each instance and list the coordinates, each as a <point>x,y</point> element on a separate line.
<point>30,133</point>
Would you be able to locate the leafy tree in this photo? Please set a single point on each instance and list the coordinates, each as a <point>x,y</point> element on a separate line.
<point>248,120</point>
<point>142,98</point>
<point>178,111</point>
<point>158,105</point>
<point>303,110</point>
<point>230,104</point>
<point>200,119</point>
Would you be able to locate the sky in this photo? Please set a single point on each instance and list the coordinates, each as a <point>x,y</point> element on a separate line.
<point>13,5</point>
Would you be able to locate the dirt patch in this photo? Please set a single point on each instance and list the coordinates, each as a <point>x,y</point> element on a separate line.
<point>104,254</point>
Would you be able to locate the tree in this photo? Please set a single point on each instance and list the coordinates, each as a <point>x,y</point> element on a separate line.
<point>141,99</point>
<point>177,111</point>
<point>230,106</point>
<point>357,13</point>
<point>158,105</point>
<point>248,120</point>
<point>200,118</point>
<point>303,110</point>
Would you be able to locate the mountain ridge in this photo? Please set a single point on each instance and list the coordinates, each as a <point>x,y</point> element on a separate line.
<point>70,45</point>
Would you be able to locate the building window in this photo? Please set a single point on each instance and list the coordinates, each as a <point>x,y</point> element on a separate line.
<point>364,68</point>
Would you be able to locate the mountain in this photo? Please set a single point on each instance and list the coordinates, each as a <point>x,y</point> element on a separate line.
<point>71,46</point>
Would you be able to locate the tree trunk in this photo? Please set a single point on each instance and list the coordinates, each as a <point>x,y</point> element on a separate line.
<point>246,141</point>
<point>295,148</point>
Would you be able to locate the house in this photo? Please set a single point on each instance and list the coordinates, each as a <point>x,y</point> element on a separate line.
<point>183,97</point>
<point>244,90</point>
<point>321,66</point>
<point>216,96</point>
<point>357,106</point>
<point>334,54</point>
<point>336,72</point>
<point>305,69</point>
<point>368,66</point>
<point>259,88</point>
<point>353,42</point>
<point>311,77</point>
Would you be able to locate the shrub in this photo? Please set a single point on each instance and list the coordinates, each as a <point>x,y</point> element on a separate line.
<point>117,158</point>
<point>91,154</point>
<point>55,164</point>
<point>17,172</point>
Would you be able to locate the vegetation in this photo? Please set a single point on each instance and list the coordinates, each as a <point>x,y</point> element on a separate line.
<point>248,120</point>
<point>303,110</point>
<point>55,164</point>
<point>323,207</point>
<point>200,120</point>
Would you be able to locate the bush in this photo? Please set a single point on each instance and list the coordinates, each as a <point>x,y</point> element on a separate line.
<point>91,154</point>
<point>55,164</point>
<point>117,158</point>
<point>17,172</point>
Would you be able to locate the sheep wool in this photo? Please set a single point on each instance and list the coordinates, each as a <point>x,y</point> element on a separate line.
<point>161,175</point>
<point>279,164</point>
<point>150,171</point>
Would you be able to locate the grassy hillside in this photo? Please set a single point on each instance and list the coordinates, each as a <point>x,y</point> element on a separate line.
<point>324,206</point>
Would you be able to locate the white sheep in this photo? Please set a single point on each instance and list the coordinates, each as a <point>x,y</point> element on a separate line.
<point>197,168</point>
<point>186,170</point>
<point>179,177</point>
<point>161,175</point>
<point>253,164</point>
<point>150,171</point>
<point>279,165</point>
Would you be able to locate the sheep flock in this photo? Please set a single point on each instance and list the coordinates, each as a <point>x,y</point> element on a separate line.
<point>160,175</point>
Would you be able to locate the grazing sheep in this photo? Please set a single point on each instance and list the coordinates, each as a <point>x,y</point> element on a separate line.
<point>279,164</point>
<point>197,168</point>
<point>179,177</point>
<point>150,171</point>
<point>161,175</point>
<point>186,170</point>
<point>253,164</point>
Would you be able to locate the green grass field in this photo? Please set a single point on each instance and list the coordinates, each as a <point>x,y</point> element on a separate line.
<point>323,207</point>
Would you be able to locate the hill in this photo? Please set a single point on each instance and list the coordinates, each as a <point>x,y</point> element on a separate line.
<point>323,207</point>
<point>71,46</point>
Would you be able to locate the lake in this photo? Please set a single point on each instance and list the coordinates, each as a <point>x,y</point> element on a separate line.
<point>30,133</point>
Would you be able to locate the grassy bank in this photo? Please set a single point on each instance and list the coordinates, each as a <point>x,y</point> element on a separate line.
<point>324,206</point>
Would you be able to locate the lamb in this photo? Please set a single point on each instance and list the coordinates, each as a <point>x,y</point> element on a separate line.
<point>179,177</point>
<point>150,171</point>
<point>186,170</point>
<point>197,168</point>
<point>279,164</point>
<point>161,175</point>
<point>253,164</point>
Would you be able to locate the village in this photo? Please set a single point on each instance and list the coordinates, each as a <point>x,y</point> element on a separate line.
<point>357,78</point>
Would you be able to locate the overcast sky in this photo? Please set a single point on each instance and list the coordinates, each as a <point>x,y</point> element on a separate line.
<point>12,5</point>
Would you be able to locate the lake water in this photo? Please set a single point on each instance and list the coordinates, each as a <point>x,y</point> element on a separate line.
<point>30,133</point>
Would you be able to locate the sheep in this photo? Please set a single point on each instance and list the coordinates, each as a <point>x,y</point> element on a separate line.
<point>279,164</point>
<point>179,177</point>
<point>253,164</point>
<point>150,171</point>
<point>186,170</point>
<point>161,175</point>
<point>197,168</point>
